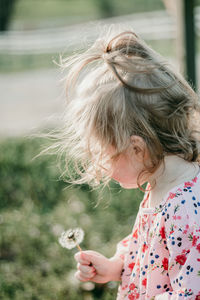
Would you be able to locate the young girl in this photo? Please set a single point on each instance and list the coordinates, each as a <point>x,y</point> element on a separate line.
<point>130,118</point>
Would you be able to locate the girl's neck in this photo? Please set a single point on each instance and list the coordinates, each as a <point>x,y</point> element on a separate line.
<point>173,172</point>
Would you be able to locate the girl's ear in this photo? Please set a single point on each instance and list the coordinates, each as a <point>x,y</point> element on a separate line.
<point>139,147</point>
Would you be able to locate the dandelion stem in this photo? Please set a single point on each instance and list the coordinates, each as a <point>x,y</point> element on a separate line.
<point>79,248</point>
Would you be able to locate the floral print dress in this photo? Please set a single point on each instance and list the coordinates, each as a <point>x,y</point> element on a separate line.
<point>162,254</point>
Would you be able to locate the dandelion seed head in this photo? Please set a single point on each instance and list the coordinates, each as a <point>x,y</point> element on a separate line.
<point>71,238</point>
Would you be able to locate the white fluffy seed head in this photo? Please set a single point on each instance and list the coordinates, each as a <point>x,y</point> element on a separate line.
<point>71,238</point>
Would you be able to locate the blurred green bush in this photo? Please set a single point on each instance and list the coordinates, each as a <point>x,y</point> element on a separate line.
<point>35,208</point>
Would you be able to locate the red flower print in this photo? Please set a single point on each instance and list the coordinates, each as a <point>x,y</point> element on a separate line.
<point>124,287</point>
<point>135,235</point>
<point>144,282</point>
<point>194,240</point>
<point>187,184</point>
<point>162,232</point>
<point>198,247</point>
<point>132,286</point>
<point>165,263</point>
<point>198,259</point>
<point>186,251</point>
<point>180,259</point>
<point>194,179</point>
<point>122,256</point>
<point>171,196</point>
<point>133,296</point>
<point>198,296</point>
<point>131,266</point>
<point>144,247</point>
<point>125,242</point>
<point>177,217</point>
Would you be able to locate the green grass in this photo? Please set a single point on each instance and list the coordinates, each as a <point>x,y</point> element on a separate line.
<point>77,10</point>
<point>37,10</point>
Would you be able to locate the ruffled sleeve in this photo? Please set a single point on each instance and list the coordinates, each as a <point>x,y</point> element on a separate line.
<point>122,247</point>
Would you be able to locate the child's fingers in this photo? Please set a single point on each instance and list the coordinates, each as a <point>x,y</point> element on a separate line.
<point>82,277</point>
<point>79,276</point>
<point>85,269</point>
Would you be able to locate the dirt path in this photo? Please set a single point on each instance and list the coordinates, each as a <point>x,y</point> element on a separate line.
<point>29,101</point>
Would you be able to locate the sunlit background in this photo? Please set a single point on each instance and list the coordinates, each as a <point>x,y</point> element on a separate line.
<point>35,206</point>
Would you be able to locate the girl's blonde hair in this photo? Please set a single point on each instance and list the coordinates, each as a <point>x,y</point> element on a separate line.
<point>120,87</point>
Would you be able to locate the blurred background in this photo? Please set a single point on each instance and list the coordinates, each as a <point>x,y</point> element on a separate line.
<point>35,205</point>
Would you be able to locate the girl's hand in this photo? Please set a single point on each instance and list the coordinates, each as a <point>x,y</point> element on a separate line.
<point>102,269</point>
